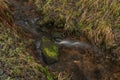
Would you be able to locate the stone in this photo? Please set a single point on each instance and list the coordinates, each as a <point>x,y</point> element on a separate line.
<point>49,50</point>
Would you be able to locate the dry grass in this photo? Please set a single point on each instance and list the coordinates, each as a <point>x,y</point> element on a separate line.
<point>64,76</point>
<point>101,36</point>
<point>5,14</point>
<point>6,18</point>
<point>95,16</point>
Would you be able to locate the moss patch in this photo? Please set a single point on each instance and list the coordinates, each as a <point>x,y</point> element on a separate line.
<point>49,49</point>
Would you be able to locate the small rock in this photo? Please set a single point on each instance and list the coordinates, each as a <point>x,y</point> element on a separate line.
<point>49,50</point>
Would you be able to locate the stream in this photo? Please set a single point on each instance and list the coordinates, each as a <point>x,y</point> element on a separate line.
<point>80,59</point>
<point>28,20</point>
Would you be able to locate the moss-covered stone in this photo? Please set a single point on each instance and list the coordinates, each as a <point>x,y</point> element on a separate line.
<point>49,50</point>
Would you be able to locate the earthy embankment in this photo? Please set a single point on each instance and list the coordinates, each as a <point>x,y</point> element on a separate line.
<point>17,61</point>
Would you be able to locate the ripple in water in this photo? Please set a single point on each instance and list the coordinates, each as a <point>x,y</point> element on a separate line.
<point>82,45</point>
<point>70,43</point>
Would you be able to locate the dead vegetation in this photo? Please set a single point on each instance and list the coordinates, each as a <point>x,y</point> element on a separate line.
<point>5,14</point>
<point>94,18</point>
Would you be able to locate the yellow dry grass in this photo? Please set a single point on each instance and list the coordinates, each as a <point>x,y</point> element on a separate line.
<point>95,17</point>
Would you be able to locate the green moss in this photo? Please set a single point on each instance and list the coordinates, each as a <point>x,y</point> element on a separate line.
<point>51,52</point>
<point>49,48</point>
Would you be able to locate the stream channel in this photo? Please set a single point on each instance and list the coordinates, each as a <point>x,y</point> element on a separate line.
<point>78,58</point>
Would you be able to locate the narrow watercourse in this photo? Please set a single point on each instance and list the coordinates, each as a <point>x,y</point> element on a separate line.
<point>29,23</point>
<point>79,57</point>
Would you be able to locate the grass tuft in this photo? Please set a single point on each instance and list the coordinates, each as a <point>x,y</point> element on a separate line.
<point>95,16</point>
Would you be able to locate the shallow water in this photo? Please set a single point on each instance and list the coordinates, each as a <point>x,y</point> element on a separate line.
<point>71,43</point>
